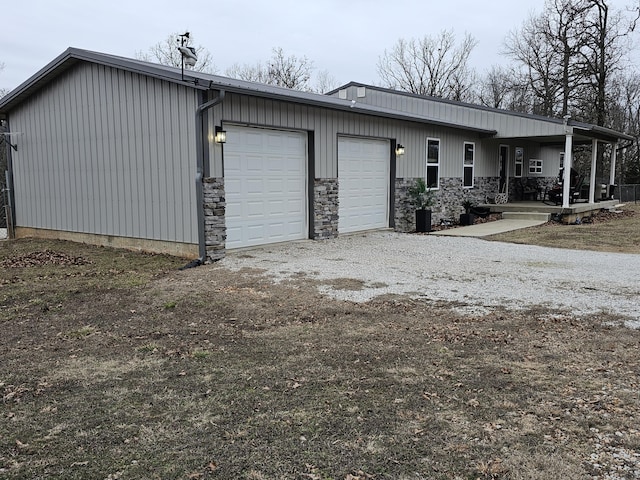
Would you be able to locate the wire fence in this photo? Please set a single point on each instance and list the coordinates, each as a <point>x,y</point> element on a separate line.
<point>629,193</point>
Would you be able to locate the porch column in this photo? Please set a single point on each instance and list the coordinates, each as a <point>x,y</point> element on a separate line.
<point>592,179</point>
<point>612,173</point>
<point>568,162</point>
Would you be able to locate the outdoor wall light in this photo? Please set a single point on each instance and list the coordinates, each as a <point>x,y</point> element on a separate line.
<point>400,149</point>
<point>220,136</point>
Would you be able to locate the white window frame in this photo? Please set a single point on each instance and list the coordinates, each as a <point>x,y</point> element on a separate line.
<point>437,165</point>
<point>535,166</point>
<point>519,162</point>
<point>465,166</point>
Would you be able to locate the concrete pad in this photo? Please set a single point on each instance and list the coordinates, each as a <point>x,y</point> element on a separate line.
<point>489,228</point>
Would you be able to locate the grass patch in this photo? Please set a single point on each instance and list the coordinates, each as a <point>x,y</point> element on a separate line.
<point>251,380</point>
<point>608,233</point>
<point>82,332</point>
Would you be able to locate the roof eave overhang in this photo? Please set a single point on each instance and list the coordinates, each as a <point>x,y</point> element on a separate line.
<point>602,133</point>
<point>72,56</point>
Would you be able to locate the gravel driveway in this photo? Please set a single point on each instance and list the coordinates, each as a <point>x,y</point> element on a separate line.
<point>477,273</point>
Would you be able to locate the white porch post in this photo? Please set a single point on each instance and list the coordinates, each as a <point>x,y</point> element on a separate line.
<point>592,179</point>
<point>612,173</point>
<point>568,162</point>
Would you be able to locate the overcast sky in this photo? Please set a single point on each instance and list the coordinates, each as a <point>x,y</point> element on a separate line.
<point>344,37</point>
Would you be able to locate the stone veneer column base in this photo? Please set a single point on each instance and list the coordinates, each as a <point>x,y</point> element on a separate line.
<point>325,208</point>
<point>404,210</point>
<point>214,218</point>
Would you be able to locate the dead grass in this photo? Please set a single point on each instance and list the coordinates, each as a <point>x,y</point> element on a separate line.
<point>123,367</point>
<point>608,233</point>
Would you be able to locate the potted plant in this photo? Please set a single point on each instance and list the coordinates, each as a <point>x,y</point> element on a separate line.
<point>422,198</point>
<point>467,218</point>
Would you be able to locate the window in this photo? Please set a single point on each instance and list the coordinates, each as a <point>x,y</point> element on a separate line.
<point>535,167</point>
<point>467,164</point>
<point>519,162</point>
<point>433,163</point>
<point>561,159</point>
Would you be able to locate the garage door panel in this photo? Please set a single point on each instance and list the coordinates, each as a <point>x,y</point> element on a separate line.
<point>265,186</point>
<point>363,184</point>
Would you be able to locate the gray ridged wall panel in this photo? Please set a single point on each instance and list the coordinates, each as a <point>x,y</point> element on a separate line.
<point>114,155</point>
<point>328,124</point>
<point>507,124</point>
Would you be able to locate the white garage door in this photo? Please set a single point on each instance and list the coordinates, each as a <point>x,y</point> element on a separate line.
<point>265,186</point>
<point>363,184</point>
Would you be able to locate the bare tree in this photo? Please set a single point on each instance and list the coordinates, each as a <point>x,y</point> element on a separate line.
<point>289,71</point>
<point>624,116</point>
<point>324,82</point>
<point>539,62</point>
<point>570,53</point>
<point>434,66</point>
<point>603,55</point>
<point>3,91</point>
<point>505,88</point>
<point>167,53</point>
<point>250,73</point>
<point>283,70</point>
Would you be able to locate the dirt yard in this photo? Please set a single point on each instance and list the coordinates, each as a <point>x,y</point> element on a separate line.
<point>115,365</point>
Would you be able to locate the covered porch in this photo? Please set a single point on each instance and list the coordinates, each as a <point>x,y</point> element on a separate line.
<point>584,191</point>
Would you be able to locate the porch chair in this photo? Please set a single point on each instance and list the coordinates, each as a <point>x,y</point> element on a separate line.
<point>528,187</point>
<point>556,192</point>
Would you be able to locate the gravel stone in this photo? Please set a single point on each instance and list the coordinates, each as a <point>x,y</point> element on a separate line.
<point>478,274</point>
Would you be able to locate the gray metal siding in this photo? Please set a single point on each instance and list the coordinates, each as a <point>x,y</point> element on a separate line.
<point>108,152</point>
<point>328,124</point>
<point>506,123</point>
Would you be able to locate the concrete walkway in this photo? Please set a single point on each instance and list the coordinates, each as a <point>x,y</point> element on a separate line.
<point>489,228</point>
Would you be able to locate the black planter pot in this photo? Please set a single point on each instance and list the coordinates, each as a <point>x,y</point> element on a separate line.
<point>423,220</point>
<point>467,218</point>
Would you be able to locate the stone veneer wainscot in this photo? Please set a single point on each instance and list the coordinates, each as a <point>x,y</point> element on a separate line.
<point>447,203</point>
<point>325,208</point>
<point>214,218</point>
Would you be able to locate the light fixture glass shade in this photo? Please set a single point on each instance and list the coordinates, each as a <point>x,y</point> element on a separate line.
<point>220,136</point>
<point>400,149</point>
